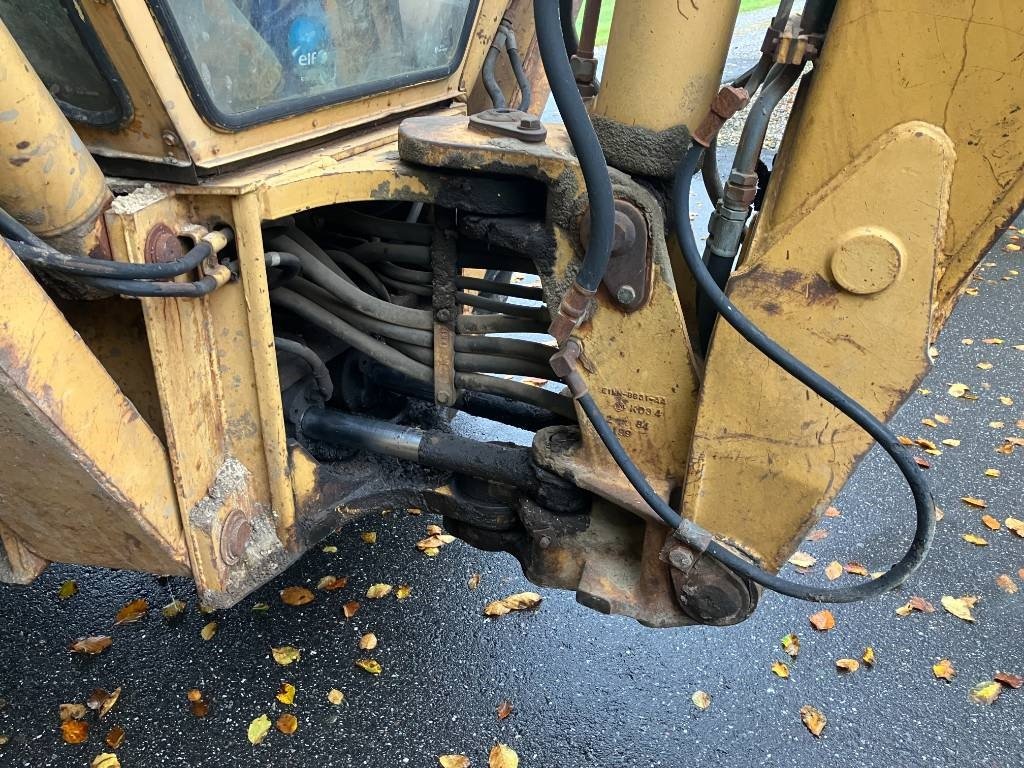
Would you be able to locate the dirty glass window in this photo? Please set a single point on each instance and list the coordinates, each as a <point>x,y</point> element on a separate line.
<point>253,60</point>
<point>64,52</point>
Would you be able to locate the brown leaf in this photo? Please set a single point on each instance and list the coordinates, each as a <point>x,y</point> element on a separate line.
<point>335,696</point>
<point>817,534</point>
<point>847,665</point>
<point>74,731</point>
<point>208,631</point>
<point>959,607</point>
<point>296,596</point>
<point>350,609</point>
<point>332,583</point>
<point>72,712</point>
<point>986,692</point>
<point>973,501</point>
<point>103,702</point>
<point>915,603</point>
<point>823,620</point>
<point>115,737</point>
<point>377,591</point>
<point>434,530</point>
<point>194,695</point>
<point>287,724</point>
<point>832,512</point>
<point>68,589</point>
<point>286,654</point>
<point>453,761</point>
<point>990,522</point>
<point>286,694</point>
<point>791,645</point>
<point>1006,583</point>
<point>1010,681</point>
<point>813,719</point>
<point>780,669</point>
<point>134,611</point>
<point>369,665</point>
<point>522,601</point>
<point>92,645</point>
<point>504,709</point>
<point>701,700</point>
<point>944,670</point>
<point>868,657</point>
<point>834,570</point>
<point>502,757</point>
<point>802,560</point>
<point>474,581</point>
<point>368,537</point>
<point>368,642</point>
<point>856,569</point>
<point>200,708</point>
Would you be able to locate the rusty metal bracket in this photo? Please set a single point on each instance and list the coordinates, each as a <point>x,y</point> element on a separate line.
<point>628,276</point>
<point>442,260</point>
<point>790,45</point>
<point>510,122</point>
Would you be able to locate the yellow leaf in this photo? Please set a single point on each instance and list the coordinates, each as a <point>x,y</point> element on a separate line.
<point>286,655</point>
<point>335,696</point>
<point>502,757</point>
<point>958,390</point>
<point>67,589</point>
<point>992,341</point>
<point>368,642</point>
<point>1015,525</point>
<point>813,719</point>
<point>997,424</point>
<point>453,761</point>
<point>258,729</point>
<point>105,760</point>
<point>823,620</point>
<point>951,443</point>
<point>802,560</point>
<point>1006,583</point>
<point>332,583</point>
<point>286,694</point>
<point>833,571</point>
<point>942,419</point>
<point>977,541</point>
<point>377,591</point>
<point>929,422</point>
<point>523,601</point>
<point>474,581</point>
<point>856,569</point>
<point>208,630</point>
<point>847,665</point>
<point>260,608</point>
<point>330,549</point>
<point>944,670</point>
<point>433,542</point>
<point>296,596</point>
<point>287,724</point>
<point>791,645</point>
<point>369,665</point>
<point>369,537</point>
<point>134,611</point>
<point>986,693</point>
<point>984,366</point>
<point>701,700</point>
<point>959,607</point>
<point>403,592</point>
<point>990,472</point>
<point>973,501</point>
<point>780,669</point>
<point>1005,400</point>
<point>173,609</point>
<point>868,657</point>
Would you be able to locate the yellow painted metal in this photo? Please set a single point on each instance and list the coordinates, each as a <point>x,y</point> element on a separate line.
<point>18,564</point>
<point>768,455</point>
<point>664,62</point>
<point>85,479</point>
<point>48,179</point>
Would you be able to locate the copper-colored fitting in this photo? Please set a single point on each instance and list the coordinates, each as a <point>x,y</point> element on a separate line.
<point>571,310</point>
<point>727,103</point>
<point>565,365</point>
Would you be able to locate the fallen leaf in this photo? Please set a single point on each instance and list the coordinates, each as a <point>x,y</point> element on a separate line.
<point>951,442</point>
<point>990,472</point>
<point>403,592</point>
<point>847,665</point>
<point>959,607</point>
<point>208,630</point>
<point>986,693</point>
<point>368,642</point>
<point>929,422</point>
<point>868,657</point>
<point>134,611</point>
<point>377,591</point>
<point>521,601</point>
<point>330,549</point>
<point>1006,583</point>
<point>958,390</point>
<point>984,366</point>
<point>973,501</point>
<point>905,441</point>
<point>823,620</point>
<point>502,757</point>
<point>369,537</point>
<point>369,665</point>
<point>474,581</point>
<point>922,463</point>
<point>1010,681</point>
<point>296,596</point>
<point>68,589</point>
<point>72,712</point>
<point>286,654</point>
<point>701,700</point>
<point>115,737</point>
<point>780,669</point>
<point>1005,400</point>
<point>102,702</point>
<point>434,530</point>
<point>260,608</point>
<point>350,609</point>
<point>92,645</point>
<point>194,695</point>
<point>200,708</point>
<point>287,724</point>
<point>173,609</point>
<point>813,719</point>
<point>504,709</point>
<point>977,541</point>
<point>791,645</point>
<point>817,534</point>
<point>1015,525</point>
<point>856,569</point>
<point>74,731</point>
<point>286,694</point>
<point>992,341</point>
<point>834,570</point>
<point>832,512</point>
<point>944,670</point>
<point>335,696</point>
<point>997,424</point>
<point>990,522</point>
<point>939,514</point>
<point>942,419</point>
<point>105,760</point>
<point>453,761</point>
<point>332,583</point>
<point>432,543</point>
<point>802,560</point>
<point>258,729</point>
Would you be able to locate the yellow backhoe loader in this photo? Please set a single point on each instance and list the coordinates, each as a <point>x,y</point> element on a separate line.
<point>257,253</point>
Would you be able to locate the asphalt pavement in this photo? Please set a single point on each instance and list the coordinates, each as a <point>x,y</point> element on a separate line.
<point>586,690</point>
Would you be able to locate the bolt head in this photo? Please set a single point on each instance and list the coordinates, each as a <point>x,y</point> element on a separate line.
<point>443,315</point>
<point>529,123</point>
<point>626,294</point>
<point>170,138</point>
<point>680,558</point>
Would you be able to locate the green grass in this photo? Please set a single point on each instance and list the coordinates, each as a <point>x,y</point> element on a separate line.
<point>604,25</point>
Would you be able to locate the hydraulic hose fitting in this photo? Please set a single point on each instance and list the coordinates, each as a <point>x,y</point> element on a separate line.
<point>730,100</point>
<point>565,364</point>
<point>570,313</point>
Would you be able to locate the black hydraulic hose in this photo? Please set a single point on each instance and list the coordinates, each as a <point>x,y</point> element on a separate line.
<point>567,24</point>
<point>472,362</point>
<point>530,293</point>
<point>516,390</point>
<point>584,140</point>
<point>288,265</point>
<point>358,268</point>
<point>700,539</point>
<point>12,229</point>
<point>316,365</point>
<point>516,62</point>
<point>710,173</point>
<point>158,289</point>
<point>487,73</point>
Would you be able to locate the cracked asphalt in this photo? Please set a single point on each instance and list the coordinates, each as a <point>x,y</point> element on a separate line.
<point>587,690</point>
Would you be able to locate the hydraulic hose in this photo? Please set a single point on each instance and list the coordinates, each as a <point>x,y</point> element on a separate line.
<point>566,23</point>
<point>316,365</point>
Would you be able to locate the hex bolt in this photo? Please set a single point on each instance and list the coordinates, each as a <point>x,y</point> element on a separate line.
<point>681,558</point>
<point>170,138</point>
<point>529,123</point>
<point>443,315</point>
<point>626,294</point>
